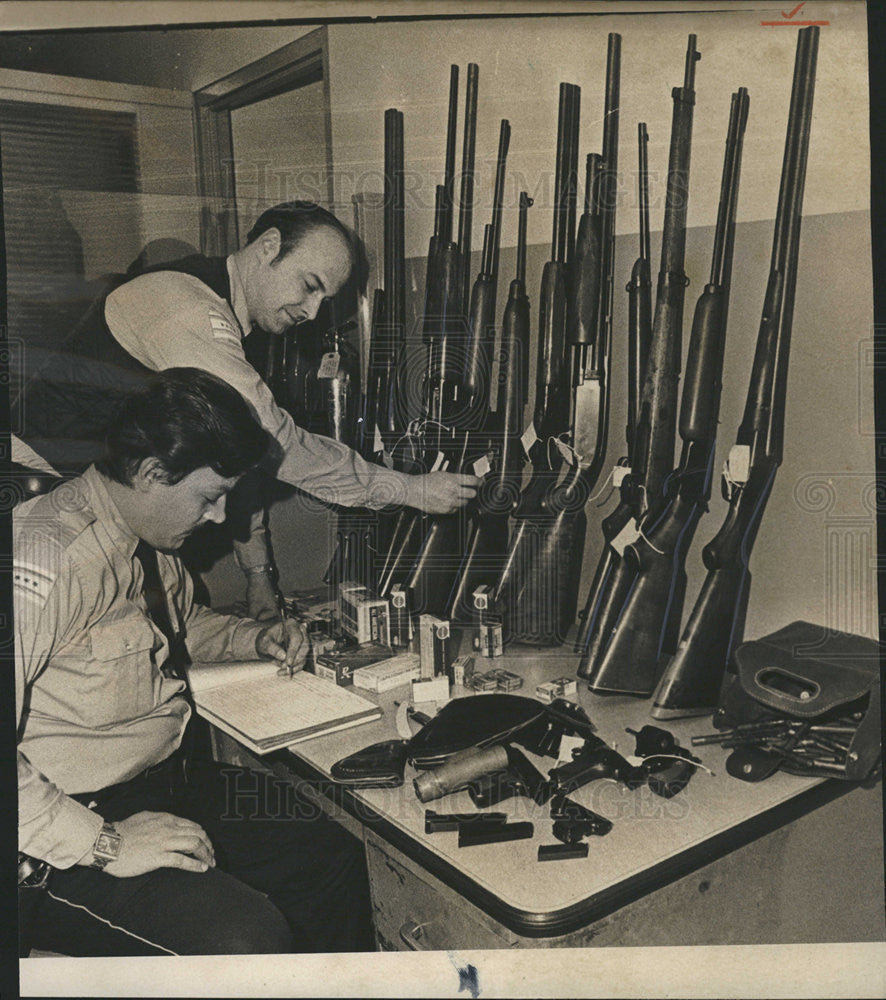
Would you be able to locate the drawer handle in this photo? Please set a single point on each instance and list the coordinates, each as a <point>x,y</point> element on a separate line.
<point>411,935</point>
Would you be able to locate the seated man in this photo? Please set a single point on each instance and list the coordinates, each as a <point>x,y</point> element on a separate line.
<point>152,853</point>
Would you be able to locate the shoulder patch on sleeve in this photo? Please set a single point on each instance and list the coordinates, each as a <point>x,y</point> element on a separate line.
<point>31,583</point>
<point>222,328</point>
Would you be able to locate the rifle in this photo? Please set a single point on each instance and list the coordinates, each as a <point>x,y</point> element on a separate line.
<point>639,290</point>
<point>652,612</point>
<point>430,557</point>
<point>441,277</point>
<point>362,534</point>
<point>554,543</point>
<point>442,559</point>
<point>500,490</point>
<point>653,445</point>
<point>691,683</point>
<point>550,416</point>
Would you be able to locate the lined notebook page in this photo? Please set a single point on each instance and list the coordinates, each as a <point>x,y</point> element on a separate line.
<point>203,676</point>
<point>267,706</point>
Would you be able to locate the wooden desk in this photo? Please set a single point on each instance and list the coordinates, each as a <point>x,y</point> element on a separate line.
<point>724,862</point>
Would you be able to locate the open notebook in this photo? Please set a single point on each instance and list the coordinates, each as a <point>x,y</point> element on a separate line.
<point>250,701</point>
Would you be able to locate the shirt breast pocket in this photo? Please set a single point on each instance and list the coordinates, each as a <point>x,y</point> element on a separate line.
<point>121,673</point>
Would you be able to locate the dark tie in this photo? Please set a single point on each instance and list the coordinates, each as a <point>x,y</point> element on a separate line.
<point>196,740</point>
<point>158,610</point>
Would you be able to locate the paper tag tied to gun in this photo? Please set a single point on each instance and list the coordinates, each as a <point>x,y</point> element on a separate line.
<point>529,438</point>
<point>569,454</point>
<point>629,533</point>
<point>329,365</point>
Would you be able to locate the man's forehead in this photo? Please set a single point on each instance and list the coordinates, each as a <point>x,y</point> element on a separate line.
<point>206,478</point>
<point>324,251</point>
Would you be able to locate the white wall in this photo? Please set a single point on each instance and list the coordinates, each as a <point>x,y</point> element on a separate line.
<point>522,62</point>
<point>815,554</point>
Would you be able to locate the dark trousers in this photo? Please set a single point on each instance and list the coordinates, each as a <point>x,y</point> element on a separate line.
<point>287,878</point>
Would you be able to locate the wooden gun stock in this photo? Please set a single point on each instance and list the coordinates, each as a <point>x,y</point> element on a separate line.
<point>691,682</point>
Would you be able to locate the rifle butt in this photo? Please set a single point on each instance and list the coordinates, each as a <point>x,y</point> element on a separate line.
<point>612,525</point>
<point>691,682</point>
<point>612,600</point>
<point>630,662</point>
<point>547,584</point>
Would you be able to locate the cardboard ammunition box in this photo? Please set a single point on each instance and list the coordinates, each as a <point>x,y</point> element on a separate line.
<point>387,674</point>
<point>505,680</point>
<point>339,665</point>
<point>547,691</point>
<point>436,689</point>
<point>363,616</point>
<point>462,670</point>
<point>491,638</point>
<point>433,636</point>
<point>484,682</point>
<point>308,604</point>
<point>562,687</point>
<point>568,688</point>
<point>401,621</point>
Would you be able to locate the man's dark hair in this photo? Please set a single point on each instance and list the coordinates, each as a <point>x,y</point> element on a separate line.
<point>295,220</point>
<point>187,419</point>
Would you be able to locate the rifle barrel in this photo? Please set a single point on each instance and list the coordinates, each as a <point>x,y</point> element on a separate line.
<point>466,197</point>
<point>643,187</point>
<point>445,230</point>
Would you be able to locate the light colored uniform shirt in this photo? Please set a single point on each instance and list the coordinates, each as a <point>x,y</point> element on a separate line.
<point>92,705</point>
<point>168,319</point>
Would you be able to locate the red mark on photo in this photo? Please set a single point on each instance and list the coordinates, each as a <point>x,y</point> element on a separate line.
<point>789,22</point>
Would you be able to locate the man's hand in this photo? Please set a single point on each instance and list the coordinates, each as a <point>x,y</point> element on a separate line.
<point>286,641</point>
<point>154,840</point>
<point>442,492</point>
<point>261,597</point>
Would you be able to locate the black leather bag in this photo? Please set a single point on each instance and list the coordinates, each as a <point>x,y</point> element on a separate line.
<point>809,673</point>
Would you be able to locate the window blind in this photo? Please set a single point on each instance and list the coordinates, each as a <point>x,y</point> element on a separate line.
<point>48,153</point>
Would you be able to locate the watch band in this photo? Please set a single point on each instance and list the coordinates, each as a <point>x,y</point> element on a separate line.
<point>106,847</point>
<point>32,872</point>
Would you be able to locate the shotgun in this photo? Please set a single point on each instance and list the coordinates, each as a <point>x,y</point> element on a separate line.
<point>452,541</point>
<point>650,619</point>
<point>554,543</point>
<point>525,585</point>
<point>653,446</point>
<point>639,290</point>
<point>430,578</point>
<point>442,304</point>
<point>691,682</point>
<point>500,489</point>
<point>361,533</point>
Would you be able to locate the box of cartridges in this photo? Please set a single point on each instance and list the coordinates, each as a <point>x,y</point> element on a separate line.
<point>387,674</point>
<point>363,616</point>
<point>340,665</point>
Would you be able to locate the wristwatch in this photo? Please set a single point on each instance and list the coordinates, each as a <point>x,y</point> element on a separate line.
<point>106,847</point>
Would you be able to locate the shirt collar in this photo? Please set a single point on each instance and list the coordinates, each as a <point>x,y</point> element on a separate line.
<point>238,296</point>
<point>107,513</point>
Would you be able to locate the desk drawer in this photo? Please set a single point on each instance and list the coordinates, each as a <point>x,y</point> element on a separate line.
<point>418,913</point>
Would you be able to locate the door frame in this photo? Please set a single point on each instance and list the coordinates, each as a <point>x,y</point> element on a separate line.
<point>304,61</point>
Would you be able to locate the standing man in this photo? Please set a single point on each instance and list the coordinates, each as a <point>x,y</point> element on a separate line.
<point>152,853</point>
<point>196,312</point>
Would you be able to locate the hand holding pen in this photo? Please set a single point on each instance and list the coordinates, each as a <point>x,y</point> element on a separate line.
<point>285,640</point>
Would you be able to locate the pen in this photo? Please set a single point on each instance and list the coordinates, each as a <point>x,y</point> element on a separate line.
<point>284,617</point>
